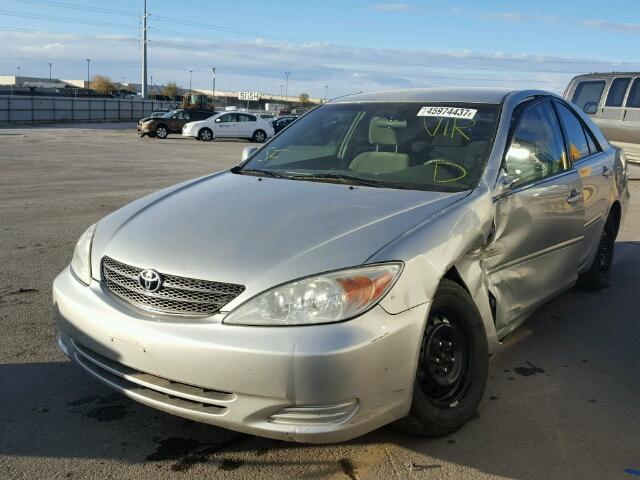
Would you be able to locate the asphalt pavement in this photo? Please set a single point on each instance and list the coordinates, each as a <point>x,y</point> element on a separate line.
<point>563,399</point>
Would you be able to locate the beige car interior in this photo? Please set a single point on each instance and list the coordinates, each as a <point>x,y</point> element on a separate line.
<point>383,136</point>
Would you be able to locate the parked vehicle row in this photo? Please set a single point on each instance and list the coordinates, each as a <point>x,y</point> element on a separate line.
<point>170,122</point>
<point>612,100</point>
<point>355,271</point>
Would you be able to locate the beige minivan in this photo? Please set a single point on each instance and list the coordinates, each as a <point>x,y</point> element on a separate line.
<point>612,100</point>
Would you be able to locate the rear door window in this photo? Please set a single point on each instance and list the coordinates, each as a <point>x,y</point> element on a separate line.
<point>618,88</point>
<point>576,136</point>
<point>587,95</point>
<point>633,100</point>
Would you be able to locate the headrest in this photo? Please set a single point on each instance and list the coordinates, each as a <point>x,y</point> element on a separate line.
<point>381,131</point>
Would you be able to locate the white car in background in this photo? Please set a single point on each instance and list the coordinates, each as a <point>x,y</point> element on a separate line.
<point>230,125</point>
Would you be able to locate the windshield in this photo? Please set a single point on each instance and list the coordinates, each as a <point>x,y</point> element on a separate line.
<point>418,146</point>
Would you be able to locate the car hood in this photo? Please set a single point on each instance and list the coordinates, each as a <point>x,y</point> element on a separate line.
<point>259,232</point>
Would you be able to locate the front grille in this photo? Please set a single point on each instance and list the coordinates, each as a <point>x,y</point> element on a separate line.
<point>178,295</point>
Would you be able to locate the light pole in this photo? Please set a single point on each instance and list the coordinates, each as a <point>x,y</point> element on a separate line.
<point>50,65</point>
<point>326,87</point>
<point>18,68</point>
<point>88,76</point>
<point>190,79</point>
<point>213,88</point>
<point>281,88</point>
<point>286,89</point>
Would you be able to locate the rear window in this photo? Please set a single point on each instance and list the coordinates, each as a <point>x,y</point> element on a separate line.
<point>633,100</point>
<point>616,93</point>
<point>576,136</point>
<point>587,94</point>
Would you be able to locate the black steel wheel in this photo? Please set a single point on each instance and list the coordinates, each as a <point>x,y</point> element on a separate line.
<point>452,367</point>
<point>597,277</point>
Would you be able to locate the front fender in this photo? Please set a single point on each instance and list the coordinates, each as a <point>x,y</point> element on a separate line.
<point>452,239</point>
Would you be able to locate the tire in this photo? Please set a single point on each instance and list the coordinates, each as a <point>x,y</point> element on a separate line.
<point>162,132</point>
<point>259,136</point>
<point>446,394</point>
<point>597,277</point>
<point>205,134</point>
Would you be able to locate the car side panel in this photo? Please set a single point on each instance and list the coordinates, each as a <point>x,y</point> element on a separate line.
<point>534,253</point>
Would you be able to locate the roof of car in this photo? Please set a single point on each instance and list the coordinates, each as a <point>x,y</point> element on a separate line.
<point>608,74</point>
<point>461,94</point>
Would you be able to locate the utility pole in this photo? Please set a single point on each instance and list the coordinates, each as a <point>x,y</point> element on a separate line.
<point>281,89</point>
<point>88,76</point>
<point>144,52</point>
<point>286,89</point>
<point>326,87</point>
<point>50,65</point>
<point>190,79</point>
<point>213,89</point>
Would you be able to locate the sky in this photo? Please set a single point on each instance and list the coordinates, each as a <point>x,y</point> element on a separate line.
<point>347,45</point>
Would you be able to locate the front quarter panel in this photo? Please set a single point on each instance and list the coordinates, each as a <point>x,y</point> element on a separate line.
<point>454,238</point>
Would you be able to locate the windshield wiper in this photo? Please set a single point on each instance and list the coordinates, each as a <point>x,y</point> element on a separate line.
<point>341,178</point>
<point>259,171</point>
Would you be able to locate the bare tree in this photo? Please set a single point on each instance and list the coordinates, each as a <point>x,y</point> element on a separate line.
<point>102,84</point>
<point>304,98</point>
<point>170,90</point>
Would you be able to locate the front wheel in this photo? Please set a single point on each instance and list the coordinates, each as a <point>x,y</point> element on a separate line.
<point>453,364</point>
<point>205,135</point>
<point>259,136</point>
<point>162,132</point>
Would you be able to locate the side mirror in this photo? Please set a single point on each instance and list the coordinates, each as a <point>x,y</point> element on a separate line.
<point>505,182</point>
<point>590,108</point>
<point>247,152</point>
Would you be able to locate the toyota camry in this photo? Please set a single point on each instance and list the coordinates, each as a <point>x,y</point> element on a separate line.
<point>357,270</point>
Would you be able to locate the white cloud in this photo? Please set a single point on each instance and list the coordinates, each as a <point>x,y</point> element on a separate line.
<point>391,7</point>
<point>516,17</point>
<point>259,65</point>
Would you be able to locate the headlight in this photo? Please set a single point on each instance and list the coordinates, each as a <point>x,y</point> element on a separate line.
<point>326,298</point>
<point>81,261</point>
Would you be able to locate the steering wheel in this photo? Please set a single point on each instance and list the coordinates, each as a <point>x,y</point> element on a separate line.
<point>459,172</point>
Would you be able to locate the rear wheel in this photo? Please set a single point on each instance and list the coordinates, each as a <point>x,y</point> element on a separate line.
<point>162,132</point>
<point>452,365</point>
<point>259,136</point>
<point>206,135</point>
<point>597,276</point>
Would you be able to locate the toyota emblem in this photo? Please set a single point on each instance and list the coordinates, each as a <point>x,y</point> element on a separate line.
<point>150,280</point>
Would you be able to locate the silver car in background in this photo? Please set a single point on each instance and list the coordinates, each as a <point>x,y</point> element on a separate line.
<point>612,101</point>
<point>356,270</point>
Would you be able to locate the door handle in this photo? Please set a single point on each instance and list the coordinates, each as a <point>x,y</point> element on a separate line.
<point>606,172</point>
<point>574,196</point>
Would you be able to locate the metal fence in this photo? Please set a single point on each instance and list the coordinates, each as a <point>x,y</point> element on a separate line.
<point>28,110</point>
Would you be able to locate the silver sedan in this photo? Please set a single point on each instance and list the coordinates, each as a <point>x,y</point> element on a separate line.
<point>357,270</point>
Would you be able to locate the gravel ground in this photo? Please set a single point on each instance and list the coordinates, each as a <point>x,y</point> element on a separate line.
<point>561,403</point>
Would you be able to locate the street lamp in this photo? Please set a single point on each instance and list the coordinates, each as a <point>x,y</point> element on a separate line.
<point>326,87</point>
<point>88,76</point>
<point>18,68</point>
<point>281,89</point>
<point>190,79</point>
<point>213,88</point>
<point>50,65</point>
<point>286,89</point>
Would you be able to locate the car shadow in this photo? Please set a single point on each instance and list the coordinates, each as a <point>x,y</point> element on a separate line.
<point>561,402</point>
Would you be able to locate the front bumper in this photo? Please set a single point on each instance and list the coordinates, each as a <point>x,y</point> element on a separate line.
<point>317,384</point>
